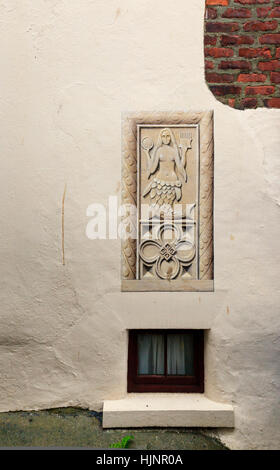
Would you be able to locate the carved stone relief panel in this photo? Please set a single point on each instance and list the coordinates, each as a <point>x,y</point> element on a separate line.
<point>167,197</point>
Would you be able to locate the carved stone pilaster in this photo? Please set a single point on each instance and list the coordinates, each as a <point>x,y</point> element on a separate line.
<point>131,123</point>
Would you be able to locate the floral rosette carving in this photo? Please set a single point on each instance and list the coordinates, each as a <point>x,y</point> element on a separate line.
<point>167,254</point>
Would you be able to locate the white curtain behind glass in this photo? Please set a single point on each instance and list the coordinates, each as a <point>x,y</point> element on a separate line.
<point>150,354</point>
<point>180,354</point>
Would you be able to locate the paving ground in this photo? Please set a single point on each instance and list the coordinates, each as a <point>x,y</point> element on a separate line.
<point>73,427</point>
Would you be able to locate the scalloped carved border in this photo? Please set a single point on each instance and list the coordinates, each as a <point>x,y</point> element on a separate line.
<point>129,182</point>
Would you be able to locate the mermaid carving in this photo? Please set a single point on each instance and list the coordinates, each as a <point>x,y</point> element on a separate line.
<point>169,161</point>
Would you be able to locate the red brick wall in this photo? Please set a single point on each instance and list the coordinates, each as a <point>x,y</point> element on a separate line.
<point>242,52</point>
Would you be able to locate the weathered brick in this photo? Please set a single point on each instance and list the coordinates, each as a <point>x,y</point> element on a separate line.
<point>218,52</point>
<point>260,25</point>
<point>249,102</point>
<point>217,2</point>
<point>214,27</point>
<point>209,64</point>
<point>262,12</point>
<point>236,40</point>
<point>272,103</point>
<point>210,40</point>
<point>251,53</point>
<point>235,64</point>
<point>275,13</point>
<point>251,2</point>
<point>210,13</point>
<point>221,90</point>
<point>275,77</point>
<point>251,77</point>
<point>260,90</point>
<point>240,53</point>
<point>213,77</point>
<point>237,13</point>
<point>270,39</point>
<point>245,2</point>
<point>270,66</point>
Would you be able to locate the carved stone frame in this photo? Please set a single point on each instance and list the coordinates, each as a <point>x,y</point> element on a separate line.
<point>129,196</point>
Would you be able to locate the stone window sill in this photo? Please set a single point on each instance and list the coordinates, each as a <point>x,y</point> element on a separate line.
<point>166,410</point>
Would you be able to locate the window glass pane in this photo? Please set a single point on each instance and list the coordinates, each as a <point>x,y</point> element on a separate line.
<point>180,354</point>
<point>150,354</point>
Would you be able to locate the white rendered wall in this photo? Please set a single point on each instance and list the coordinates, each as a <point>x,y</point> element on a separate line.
<point>68,70</point>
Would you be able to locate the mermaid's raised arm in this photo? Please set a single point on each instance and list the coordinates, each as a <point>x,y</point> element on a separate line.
<point>180,166</point>
<point>153,162</point>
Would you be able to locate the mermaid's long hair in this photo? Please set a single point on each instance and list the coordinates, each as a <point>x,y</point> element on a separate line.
<point>155,156</point>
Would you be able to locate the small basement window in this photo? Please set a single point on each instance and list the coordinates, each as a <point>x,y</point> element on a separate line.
<point>166,361</point>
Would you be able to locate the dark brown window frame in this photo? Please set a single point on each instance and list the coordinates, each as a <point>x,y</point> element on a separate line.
<point>165,383</point>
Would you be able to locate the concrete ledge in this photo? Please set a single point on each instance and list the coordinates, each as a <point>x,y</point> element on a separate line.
<point>170,410</point>
<point>180,285</point>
